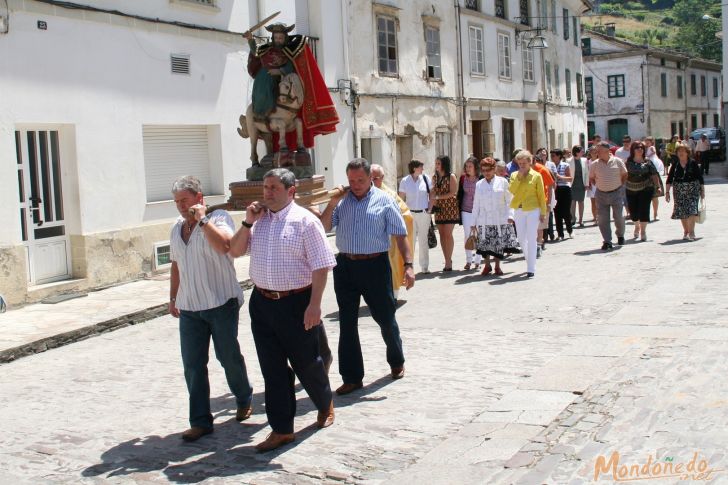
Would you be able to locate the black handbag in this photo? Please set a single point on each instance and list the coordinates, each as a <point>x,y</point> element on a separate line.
<point>431,238</point>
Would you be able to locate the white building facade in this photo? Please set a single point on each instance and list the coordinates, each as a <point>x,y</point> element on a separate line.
<point>106,102</point>
<point>100,112</point>
<point>517,96</point>
<point>642,91</point>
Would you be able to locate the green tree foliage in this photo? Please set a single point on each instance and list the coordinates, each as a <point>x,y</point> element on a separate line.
<point>696,35</point>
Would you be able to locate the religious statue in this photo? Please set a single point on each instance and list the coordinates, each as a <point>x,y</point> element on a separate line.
<point>291,103</point>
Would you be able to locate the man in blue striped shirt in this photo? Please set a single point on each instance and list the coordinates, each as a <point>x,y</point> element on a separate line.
<point>365,218</point>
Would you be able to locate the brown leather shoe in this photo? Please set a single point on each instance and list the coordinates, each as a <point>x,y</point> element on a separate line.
<point>397,372</point>
<point>326,418</point>
<point>195,433</point>
<point>243,413</point>
<point>347,388</point>
<point>274,440</point>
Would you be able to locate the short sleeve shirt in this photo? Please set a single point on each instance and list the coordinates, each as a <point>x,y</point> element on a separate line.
<point>207,278</point>
<point>364,226</point>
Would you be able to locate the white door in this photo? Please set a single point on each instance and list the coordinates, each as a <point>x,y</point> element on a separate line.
<point>41,206</point>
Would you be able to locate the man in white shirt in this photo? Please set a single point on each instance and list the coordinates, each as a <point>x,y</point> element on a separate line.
<point>414,189</point>
<point>206,297</point>
<point>702,153</point>
<point>623,151</point>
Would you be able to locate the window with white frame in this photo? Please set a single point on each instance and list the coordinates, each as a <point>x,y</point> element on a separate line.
<point>557,81</point>
<point>567,81</point>
<point>477,61</point>
<point>504,55</point>
<point>442,143</point>
<point>432,44</point>
<point>528,74</point>
<point>387,45</point>
<point>547,68</point>
<point>543,21</point>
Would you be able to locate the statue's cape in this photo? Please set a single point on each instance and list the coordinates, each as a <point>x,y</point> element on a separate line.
<point>318,111</point>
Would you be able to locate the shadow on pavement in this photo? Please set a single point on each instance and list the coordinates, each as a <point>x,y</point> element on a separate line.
<point>673,242</point>
<point>364,310</point>
<point>227,452</point>
<point>597,251</point>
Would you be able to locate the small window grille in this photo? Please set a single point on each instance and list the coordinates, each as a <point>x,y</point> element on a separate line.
<point>162,256</point>
<point>180,63</point>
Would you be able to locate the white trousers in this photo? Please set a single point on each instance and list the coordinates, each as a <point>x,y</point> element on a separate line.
<point>422,225</point>
<point>469,220</point>
<point>527,228</point>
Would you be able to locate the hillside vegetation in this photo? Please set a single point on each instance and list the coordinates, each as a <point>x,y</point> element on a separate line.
<point>685,25</point>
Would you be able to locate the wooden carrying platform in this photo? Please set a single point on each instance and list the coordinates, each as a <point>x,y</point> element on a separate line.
<point>309,192</point>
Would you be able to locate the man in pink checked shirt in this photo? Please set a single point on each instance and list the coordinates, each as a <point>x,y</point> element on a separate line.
<point>290,258</point>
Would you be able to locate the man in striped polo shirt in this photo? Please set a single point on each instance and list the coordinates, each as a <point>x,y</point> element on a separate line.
<point>365,217</point>
<point>206,297</point>
<point>609,174</point>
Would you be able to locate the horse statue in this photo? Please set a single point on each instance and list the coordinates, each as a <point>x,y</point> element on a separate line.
<point>281,120</point>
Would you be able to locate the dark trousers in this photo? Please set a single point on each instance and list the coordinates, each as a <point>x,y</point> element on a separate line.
<point>563,209</point>
<point>639,203</point>
<point>280,337</point>
<point>195,330</point>
<point>371,279</point>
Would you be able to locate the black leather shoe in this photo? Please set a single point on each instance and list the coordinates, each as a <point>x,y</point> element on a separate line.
<point>620,241</point>
<point>606,246</point>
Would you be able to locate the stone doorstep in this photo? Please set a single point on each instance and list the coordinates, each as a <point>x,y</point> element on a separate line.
<point>65,338</point>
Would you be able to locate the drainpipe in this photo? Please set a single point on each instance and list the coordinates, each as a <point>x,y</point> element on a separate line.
<point>644,104</point>
<point>544,90</point>
<point>353,95</point>
<point>460,95</point>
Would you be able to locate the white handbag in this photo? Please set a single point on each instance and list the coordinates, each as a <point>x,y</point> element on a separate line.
<point>702,212</point>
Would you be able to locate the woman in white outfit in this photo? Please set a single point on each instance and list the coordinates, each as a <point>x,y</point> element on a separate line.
<point>466,193</point>
<point>493,216</point>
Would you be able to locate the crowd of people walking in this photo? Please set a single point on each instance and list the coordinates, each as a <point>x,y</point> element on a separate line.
<point>496,203</point>
<point>503,208</point>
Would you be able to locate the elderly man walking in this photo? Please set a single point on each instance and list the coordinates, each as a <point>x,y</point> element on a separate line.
<point>396,259</point>
<point>609,173</point>
<point>365,217</point>
<point>206,297</point>
<point>290,258</point>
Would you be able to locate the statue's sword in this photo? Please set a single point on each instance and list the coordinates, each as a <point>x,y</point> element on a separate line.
<point>263,22</point>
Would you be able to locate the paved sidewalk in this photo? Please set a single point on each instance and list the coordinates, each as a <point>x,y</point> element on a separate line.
<point>509,380</point>
<point>41,326</point>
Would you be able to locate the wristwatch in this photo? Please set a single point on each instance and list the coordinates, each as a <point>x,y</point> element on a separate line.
<point>408,265</point>
<point>204,221</point>
<point>246,224</point>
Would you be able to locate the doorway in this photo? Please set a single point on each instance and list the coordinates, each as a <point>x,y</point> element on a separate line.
<point>507,140</point>
<point>530,124</point>
<point>42,221</point>
<point>617,128</point>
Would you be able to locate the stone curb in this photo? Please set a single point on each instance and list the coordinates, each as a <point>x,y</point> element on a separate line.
<point>65,338</point>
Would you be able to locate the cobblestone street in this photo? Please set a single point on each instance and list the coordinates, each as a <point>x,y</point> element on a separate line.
<point>508,380</point>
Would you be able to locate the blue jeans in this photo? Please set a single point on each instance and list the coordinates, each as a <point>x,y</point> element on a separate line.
<point>195,330</point>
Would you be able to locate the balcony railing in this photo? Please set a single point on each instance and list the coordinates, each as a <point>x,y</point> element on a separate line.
<point>472,5</point>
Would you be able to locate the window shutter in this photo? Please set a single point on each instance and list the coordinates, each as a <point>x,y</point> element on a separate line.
<point>171,152</point>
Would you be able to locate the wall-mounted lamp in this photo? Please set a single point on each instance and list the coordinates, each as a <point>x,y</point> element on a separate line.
<point>535,41</point>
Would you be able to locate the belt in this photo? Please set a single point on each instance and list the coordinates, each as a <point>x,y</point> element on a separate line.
<point>416,212</point>
<point>277,295</point>
<point>608,191</point>
<point>356,257</point>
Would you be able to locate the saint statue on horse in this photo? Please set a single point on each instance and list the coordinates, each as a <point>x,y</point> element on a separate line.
<point>291,103</point>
